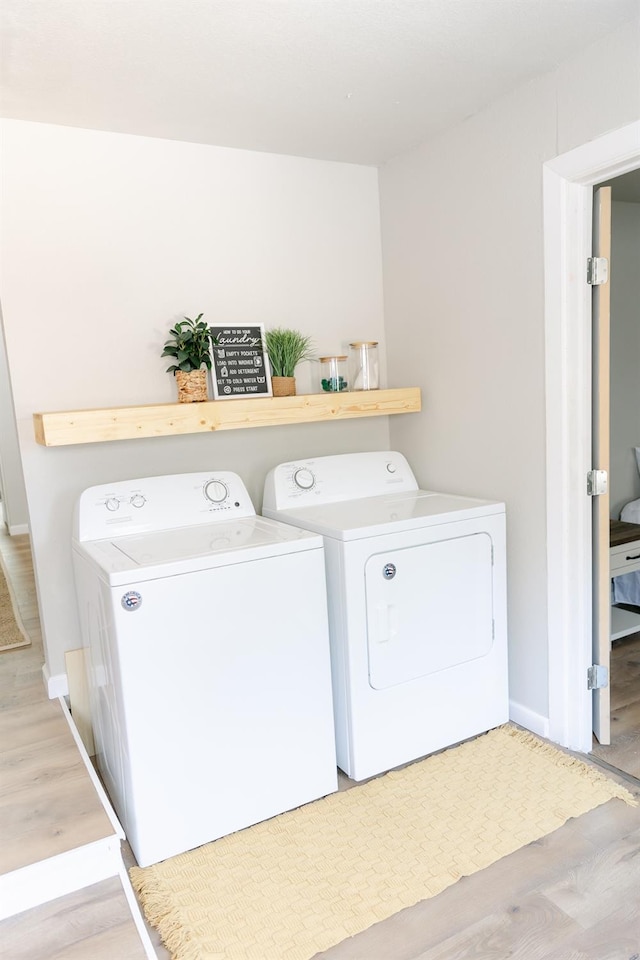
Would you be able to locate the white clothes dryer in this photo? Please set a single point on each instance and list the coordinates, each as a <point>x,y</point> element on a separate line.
<point>416,586</point>
<point>208,658</point>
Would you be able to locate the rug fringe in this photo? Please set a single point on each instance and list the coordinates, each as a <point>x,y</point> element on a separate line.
<point>562,759</point>
<point>169,921</point>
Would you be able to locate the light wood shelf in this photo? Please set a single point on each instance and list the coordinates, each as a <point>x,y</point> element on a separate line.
<point>170,419</point>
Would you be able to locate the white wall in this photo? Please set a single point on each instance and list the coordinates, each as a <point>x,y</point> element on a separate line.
<point>107,240</point>
<point>14,497</point>
<point>625,355</point>
<point>464,311</point>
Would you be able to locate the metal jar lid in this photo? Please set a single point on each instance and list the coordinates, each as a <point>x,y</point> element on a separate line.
<point>327,359</point>
<point>364,343</point>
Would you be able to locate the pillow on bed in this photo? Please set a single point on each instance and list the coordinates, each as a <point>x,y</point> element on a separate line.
<point>631,511</point>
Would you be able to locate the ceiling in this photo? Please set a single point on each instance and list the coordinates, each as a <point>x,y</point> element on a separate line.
<point>353,80</point>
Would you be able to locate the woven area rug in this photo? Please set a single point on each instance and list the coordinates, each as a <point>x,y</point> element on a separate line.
<point>292,886</point>
<point>12,631</point>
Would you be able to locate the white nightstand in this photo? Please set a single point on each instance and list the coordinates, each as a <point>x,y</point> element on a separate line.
<point>624,557</point>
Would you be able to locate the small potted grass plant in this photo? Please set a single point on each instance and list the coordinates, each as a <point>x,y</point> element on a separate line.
<point>286,349</point>
<point>189,345</point>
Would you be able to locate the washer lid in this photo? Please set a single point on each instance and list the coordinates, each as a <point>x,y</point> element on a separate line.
<point>390,513</point>
<point>166,553</point>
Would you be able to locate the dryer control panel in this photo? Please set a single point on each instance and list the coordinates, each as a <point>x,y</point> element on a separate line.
<point>160,503</point>
<point>333,479</point>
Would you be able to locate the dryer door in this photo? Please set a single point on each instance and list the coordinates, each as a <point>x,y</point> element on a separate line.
<point>429,607</point>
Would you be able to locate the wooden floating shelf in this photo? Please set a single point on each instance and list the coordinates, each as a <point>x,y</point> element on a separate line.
<point>172,419</point>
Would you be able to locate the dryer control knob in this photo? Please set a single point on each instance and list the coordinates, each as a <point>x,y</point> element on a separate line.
<point>391,467</point>
<point>137,500</point>
<point>304,479</point>
<point>216,491</point>
<point>112,503</point>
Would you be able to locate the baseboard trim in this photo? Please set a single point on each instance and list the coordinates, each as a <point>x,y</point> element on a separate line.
<point>56,685</point>
<point>16,529</point>
<point>529,719</point>
<point>65,873</point>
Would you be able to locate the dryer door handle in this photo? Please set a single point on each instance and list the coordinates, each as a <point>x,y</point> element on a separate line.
<point>387,622</point>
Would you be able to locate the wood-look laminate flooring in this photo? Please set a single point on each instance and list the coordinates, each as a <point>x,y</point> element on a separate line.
<point>573,895</point>
<point>91,924</point>
<point>624,751</point>
<point>47,802</point>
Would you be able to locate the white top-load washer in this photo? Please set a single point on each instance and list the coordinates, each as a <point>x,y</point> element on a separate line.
<point>416,584</point>
<point>208,652</point>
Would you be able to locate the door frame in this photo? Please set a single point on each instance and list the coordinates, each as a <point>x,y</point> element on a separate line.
<point>568,182</point>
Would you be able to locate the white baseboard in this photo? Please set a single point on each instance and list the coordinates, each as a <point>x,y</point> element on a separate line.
<point>65,873</point>
<point>56,685</point>
<point>529,719</point>
<point>15,529</point>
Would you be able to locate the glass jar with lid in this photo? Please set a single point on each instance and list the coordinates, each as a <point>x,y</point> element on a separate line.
<point>363,365</point>
<point>333,374</point>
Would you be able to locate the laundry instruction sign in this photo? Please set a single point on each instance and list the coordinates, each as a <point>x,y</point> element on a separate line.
<point>239,366</point>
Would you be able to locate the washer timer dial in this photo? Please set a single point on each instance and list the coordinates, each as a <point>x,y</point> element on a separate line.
<point>304,479</point>
<point>216,491</point>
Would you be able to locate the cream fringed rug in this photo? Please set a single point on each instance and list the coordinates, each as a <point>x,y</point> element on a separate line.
<point>12,631</point>
<point>292,886</point>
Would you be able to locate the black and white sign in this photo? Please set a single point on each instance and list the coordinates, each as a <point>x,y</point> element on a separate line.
<point>239,365</point>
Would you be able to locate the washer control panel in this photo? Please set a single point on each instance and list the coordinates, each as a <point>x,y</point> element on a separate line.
<point>304,478</point>
<point>216,491</point>
<point>160,503</point>
<point>114,502</point>
<point>332,479</point>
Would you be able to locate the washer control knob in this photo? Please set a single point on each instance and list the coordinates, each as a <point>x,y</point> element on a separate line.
<point>216,491</point>
<point>137,500</point>
<point>112,503</point>
<point>391,467</point>
<point>304,479</point>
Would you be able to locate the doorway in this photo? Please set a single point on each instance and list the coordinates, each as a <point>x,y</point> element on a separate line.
<point>620,749</point>
<point>568,188</point>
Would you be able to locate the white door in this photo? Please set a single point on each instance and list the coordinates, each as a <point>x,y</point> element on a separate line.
<point>600,461</point>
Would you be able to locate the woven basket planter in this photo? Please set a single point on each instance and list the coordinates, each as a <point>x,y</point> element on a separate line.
<point>192,386</point>
<point>283,386</point>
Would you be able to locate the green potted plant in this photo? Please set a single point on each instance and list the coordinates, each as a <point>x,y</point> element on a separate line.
<point>286,349</point>
<point>189,345</point>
